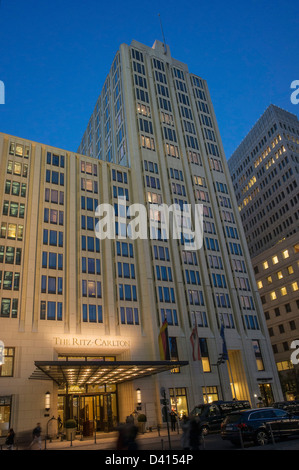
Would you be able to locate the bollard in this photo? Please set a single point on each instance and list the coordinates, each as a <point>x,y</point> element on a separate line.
<point>158,428</point>
<point>271,432</point>
<point>162,444</point>
<point>241,439</point>
<point>71,439</point>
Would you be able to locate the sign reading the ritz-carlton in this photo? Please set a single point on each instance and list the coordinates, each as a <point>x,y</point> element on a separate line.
<point>91,342</point>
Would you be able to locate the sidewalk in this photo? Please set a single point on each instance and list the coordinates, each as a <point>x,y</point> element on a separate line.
<point>147,441</point>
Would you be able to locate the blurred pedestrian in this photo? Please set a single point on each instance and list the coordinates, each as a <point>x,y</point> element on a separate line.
<point>185,439</point>
<point>173,420</point>
<point>10,439</point>
<point>37,436</point>
<point>194,435</point>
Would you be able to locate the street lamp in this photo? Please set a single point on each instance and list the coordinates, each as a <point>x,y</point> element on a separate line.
<point>47,401</point>
<point>138,396</point>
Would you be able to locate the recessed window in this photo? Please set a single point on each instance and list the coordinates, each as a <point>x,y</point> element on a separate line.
<point>290,270</point>
<point>285,254</point>
<point>283,291</point>
<point>260,284</point>
<point>269,279</point>
<point>279,275</point>
<point>273,295</point>
<point>275,259</point>
<point>295,286</point>
<point>265,265</point>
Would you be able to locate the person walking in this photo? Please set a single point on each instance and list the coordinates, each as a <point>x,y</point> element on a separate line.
<point>173,420</point>
<point>37,438</point>
<point>194,436</point>
<point>10,439</point>
<point>185,442</point>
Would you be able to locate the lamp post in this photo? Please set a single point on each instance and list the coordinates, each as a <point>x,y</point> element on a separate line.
<point>47,401</point>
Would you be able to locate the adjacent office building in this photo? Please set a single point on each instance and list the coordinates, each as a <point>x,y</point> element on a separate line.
<point>264,171</point>
<point>81,316</point>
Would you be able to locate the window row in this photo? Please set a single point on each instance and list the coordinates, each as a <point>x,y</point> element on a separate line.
<point>54,177</point>
<point>13,209</point>
<point>15,188</point>
<point>52,237</point>
<point>55,160</point>
<point>91,266</point>
<point>51,310</point>
<point>127,292</point>
<point>11,231</point>
<point>54,196</point>
<point>10,255</point>
<point>9,280</point>
<point>52,260</point>
<point>16,168</point>
<point>9,308</point>
<point>51,285</point>
<point>91,289</point>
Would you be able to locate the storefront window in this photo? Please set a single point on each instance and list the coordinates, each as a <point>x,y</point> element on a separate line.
<point>210,394</point>
<point>6,369</point>
<point>178,401</point>
<point>5,411</point>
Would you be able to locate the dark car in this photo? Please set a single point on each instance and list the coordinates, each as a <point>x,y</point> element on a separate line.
<point>259,425</point>
<point>211,415</point>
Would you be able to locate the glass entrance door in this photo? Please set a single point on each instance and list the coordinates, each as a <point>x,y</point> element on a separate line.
<point>92,412</point>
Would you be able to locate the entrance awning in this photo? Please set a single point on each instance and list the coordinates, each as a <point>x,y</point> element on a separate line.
<point>100,372</point>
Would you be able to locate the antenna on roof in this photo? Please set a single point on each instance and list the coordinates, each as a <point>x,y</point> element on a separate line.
<point>165,49</point>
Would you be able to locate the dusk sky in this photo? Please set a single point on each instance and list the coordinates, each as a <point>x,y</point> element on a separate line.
<point>55,55</point>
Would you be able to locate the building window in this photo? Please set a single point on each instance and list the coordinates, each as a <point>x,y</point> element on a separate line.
<point>92,313</point>
<point>6,369</point>
<point>178,401</point>
<point>129,316</point>
<point>265,265</point>
<point>285,254</point>
<point>210,394</point>
<point>273,295</point>
<point>295,286</point>
<point>283,291</point>
<point>275,259</point>
<point>205,360</point>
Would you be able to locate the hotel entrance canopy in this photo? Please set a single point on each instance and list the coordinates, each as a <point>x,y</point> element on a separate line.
<point>100,372</point>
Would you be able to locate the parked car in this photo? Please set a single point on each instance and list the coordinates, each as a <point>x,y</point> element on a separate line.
<point>211,415</point>
<point>289,406</point>
<point>259,425</point>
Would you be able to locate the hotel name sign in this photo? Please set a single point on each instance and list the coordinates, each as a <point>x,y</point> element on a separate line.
<point>74,341</point>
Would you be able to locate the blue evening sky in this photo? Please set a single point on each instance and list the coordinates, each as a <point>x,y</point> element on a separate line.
<point>55,55</point>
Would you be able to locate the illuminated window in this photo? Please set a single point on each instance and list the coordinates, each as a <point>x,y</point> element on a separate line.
<point>265,265</point>
<point>260,284</point>
<point>285,254</point>
<point>273,295</point>
<point>283,291</point>
<point>279,275</point>
<point>290,270</point>
<point>269,279</point>
<point>275,259</point>
<point>296,248</point>
<point>295,286</point>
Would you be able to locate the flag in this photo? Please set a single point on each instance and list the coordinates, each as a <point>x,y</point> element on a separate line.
<point>224,348</point>
<point>195,344</point>
<point>164,342</point>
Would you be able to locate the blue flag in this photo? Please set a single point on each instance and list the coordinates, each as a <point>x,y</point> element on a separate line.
<point>224,348</point>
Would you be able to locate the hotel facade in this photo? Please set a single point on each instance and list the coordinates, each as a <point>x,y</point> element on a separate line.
<point>265,175</point>
<point>81,316</point>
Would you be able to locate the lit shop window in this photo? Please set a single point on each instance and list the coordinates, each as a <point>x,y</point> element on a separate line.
<point>265,265</point>
<point>275,259</point>
<point>6,369</point>
<point>285,254</point>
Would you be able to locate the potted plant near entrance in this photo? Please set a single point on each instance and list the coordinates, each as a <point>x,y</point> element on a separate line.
<point>70,428</point>
<point>141,419</point>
